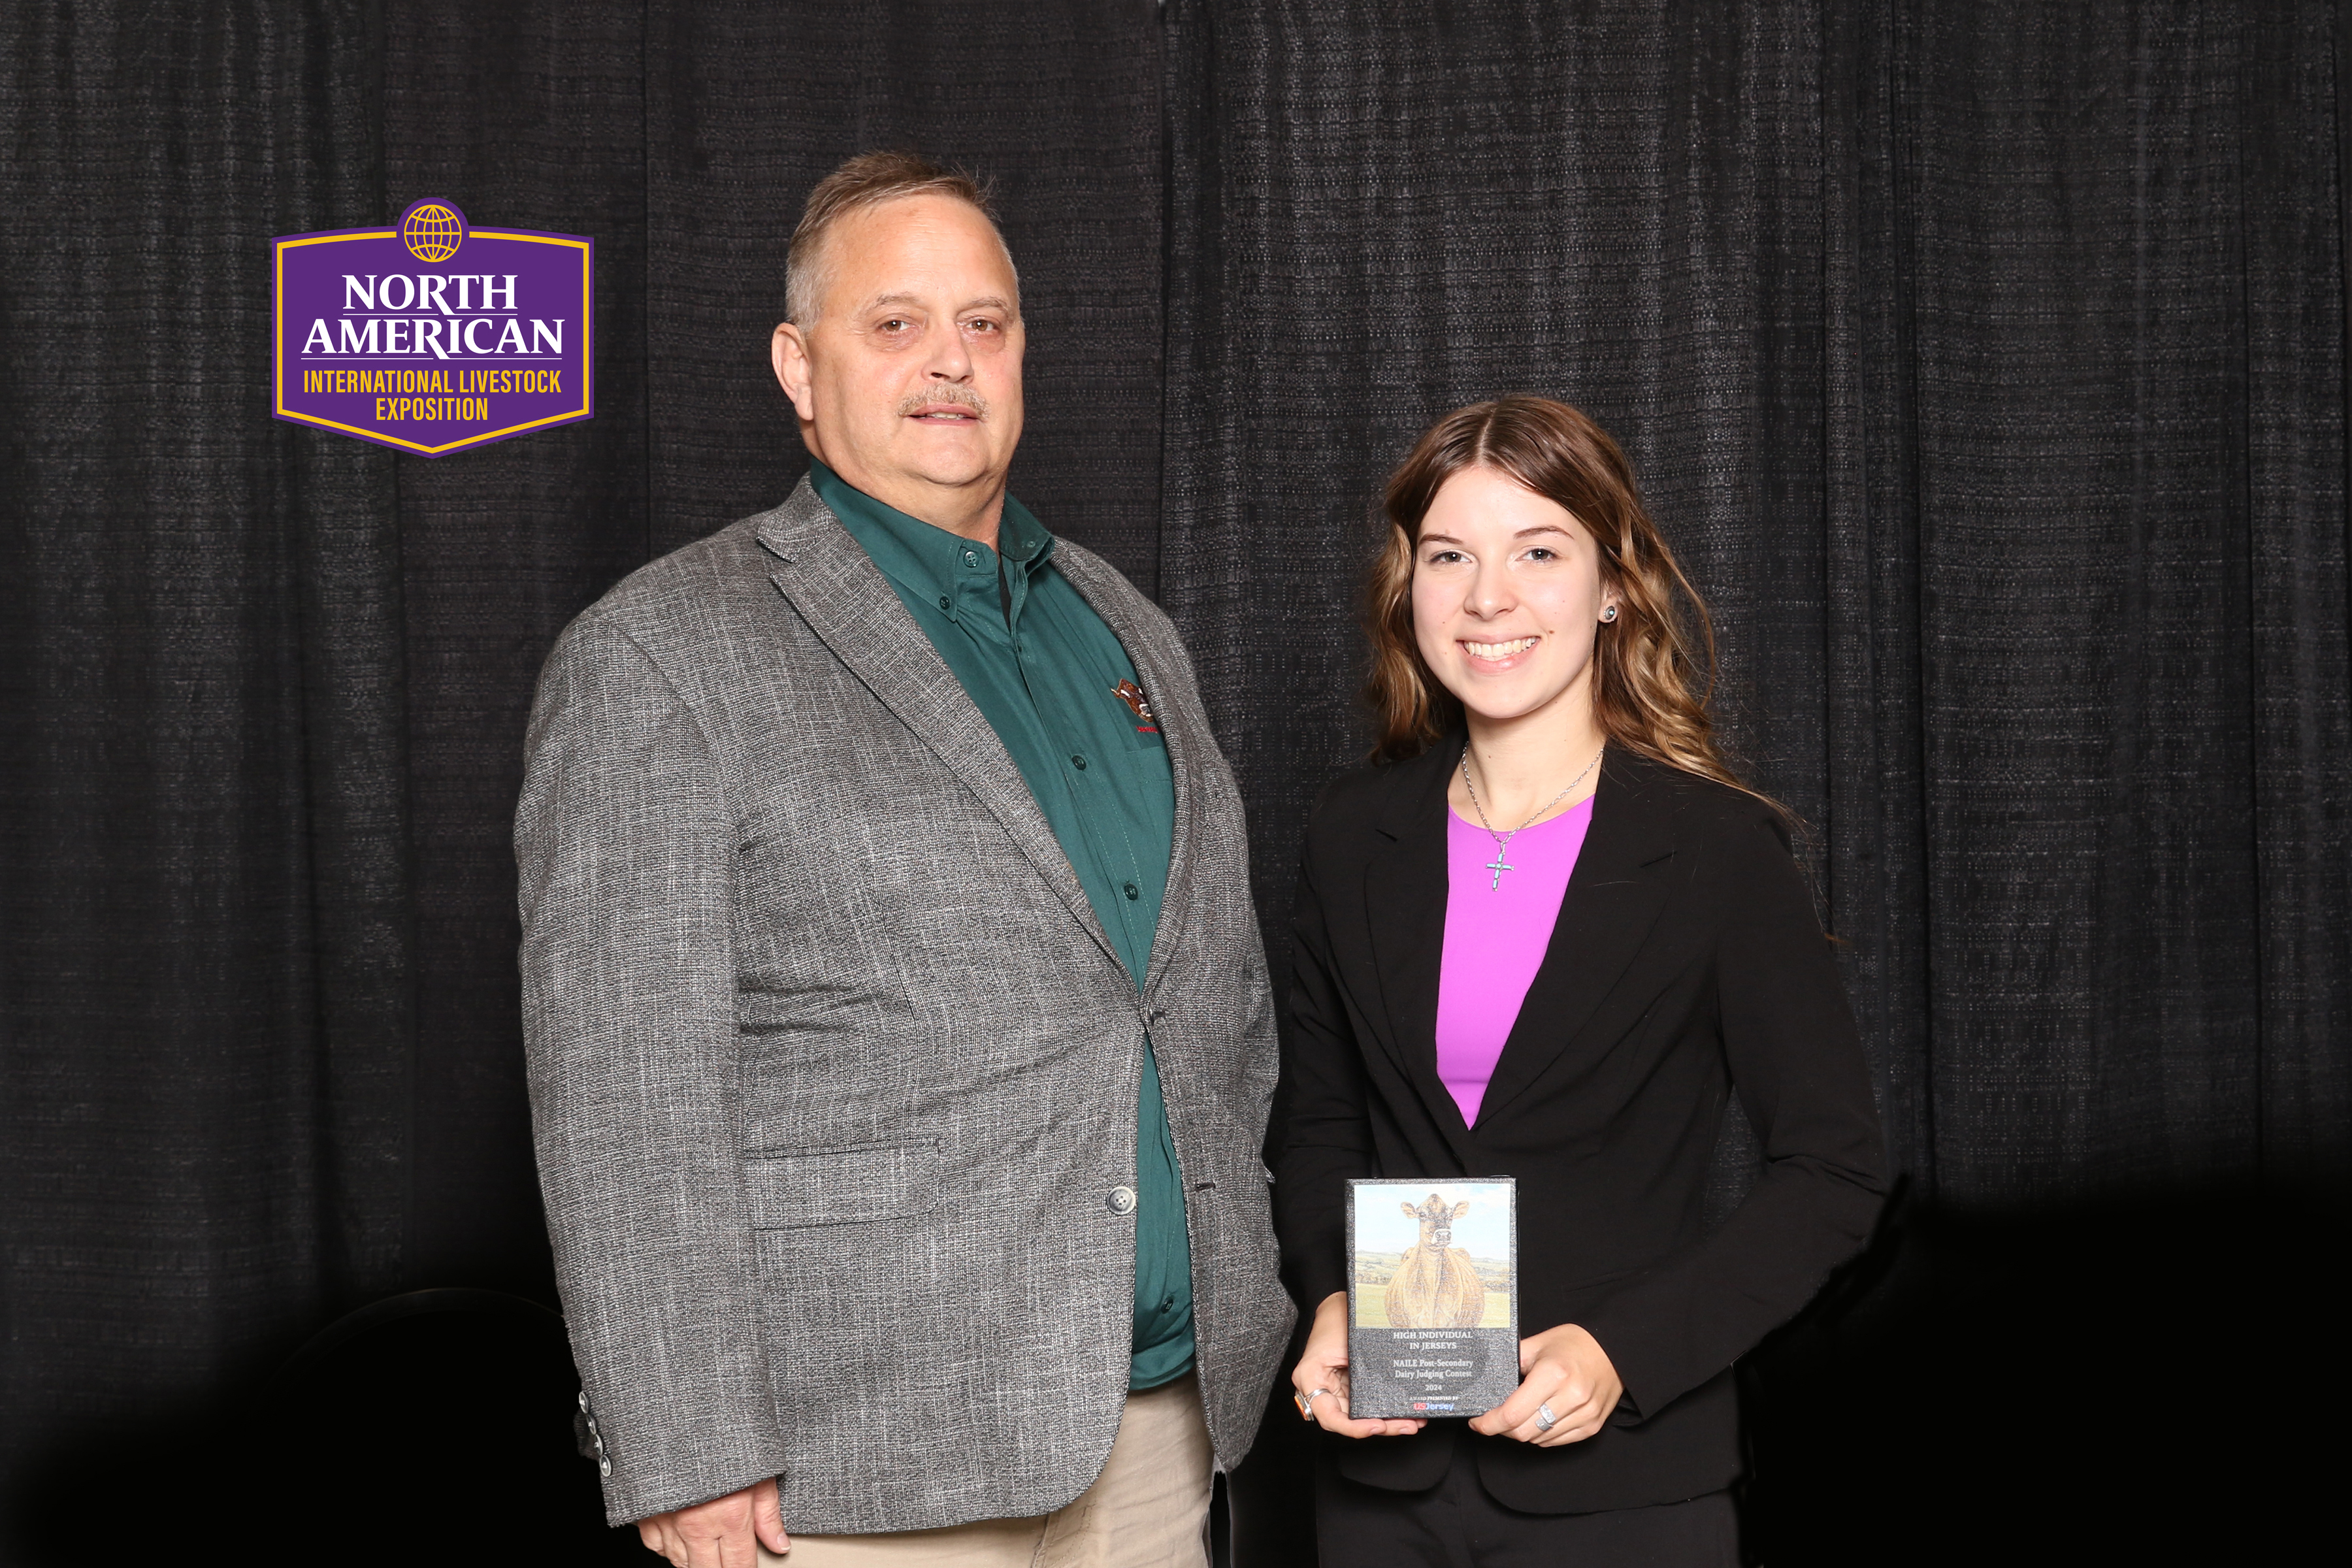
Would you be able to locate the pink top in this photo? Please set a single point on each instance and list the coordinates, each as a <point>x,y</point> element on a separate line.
<point>1494,940</point>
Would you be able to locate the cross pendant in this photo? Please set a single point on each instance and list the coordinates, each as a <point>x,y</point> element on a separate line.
<point>1498,866</point>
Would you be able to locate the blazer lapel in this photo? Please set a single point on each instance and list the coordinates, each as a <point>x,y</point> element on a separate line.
<point>1183,728</point>
<point>1614,898</point>
<point>851,606</point>
<point>1404,898</point>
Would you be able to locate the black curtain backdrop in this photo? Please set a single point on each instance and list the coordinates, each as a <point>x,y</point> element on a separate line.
<point>1986,365</point>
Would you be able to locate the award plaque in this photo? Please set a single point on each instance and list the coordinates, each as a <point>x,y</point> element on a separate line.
<point>1432,1297</point>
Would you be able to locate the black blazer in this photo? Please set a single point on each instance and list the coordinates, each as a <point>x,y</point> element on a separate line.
<point>1687,960</point>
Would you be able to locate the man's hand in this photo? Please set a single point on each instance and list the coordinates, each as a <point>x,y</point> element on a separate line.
<point>719,1533</point>
<point>1567,1369</point>
<point>1324,1366</point>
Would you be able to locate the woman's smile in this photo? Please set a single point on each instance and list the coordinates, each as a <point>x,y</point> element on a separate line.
<point>1500,654</point>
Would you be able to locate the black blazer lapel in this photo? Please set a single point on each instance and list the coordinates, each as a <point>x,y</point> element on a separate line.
<point>1612,899</point>
<point>1405,897</point>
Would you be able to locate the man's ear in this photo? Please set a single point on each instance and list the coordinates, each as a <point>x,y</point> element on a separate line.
<point>788,352</point>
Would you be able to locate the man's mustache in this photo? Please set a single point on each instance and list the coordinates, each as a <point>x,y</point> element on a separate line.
<point>963,396</point>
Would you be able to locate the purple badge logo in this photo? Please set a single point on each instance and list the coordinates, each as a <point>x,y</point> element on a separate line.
<point>432,335</point>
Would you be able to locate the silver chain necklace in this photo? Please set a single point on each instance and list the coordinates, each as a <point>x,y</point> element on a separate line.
<point>1500,863</point>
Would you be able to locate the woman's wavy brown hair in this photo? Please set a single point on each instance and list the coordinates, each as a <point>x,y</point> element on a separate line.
<point>1653,667</point>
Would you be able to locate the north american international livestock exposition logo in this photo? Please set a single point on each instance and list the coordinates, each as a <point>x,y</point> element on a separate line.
<point>433,335</point>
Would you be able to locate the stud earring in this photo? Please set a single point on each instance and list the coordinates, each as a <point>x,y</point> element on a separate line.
<point>1610,613</point>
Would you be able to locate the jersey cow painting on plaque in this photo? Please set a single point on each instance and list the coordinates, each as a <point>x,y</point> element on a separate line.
<point>1432,1297</point>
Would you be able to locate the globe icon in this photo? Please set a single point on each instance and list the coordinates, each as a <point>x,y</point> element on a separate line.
<point>432,232</point>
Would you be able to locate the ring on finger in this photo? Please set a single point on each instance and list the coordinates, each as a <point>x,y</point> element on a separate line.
<point>1545,1419</point>
<point>1305,1402</point>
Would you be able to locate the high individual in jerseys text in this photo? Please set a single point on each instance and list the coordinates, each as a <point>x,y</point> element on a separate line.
<point>900,1036</point>
<point>1546,934</point>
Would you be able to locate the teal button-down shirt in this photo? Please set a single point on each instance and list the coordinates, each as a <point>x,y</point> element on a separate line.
<point>1047,674</point>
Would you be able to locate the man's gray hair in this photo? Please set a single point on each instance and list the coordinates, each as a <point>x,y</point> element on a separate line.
<point>866,181</point>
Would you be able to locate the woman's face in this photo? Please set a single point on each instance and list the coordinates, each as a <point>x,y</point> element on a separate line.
<point>1506,596</point>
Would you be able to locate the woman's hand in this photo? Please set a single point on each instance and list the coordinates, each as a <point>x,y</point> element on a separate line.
<point>1564,1369</point>
<point>1324,1367</point>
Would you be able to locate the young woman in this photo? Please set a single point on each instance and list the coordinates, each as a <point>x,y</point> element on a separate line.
<point>1546,935</point>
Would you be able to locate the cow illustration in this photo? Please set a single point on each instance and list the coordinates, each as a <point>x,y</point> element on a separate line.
<point>1435,1286</point>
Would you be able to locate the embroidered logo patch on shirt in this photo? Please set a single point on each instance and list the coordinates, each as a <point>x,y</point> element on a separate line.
<point>1131,694</point>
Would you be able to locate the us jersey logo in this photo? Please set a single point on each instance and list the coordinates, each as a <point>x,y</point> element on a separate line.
<point>1131,694</point>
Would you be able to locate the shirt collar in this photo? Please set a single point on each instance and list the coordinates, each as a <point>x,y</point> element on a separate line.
<point>927,560</point>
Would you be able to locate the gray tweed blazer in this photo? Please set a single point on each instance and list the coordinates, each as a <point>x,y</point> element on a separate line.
<point>833,1071</point>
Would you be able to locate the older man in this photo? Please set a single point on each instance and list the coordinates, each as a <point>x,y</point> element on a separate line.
<point>899,1037</point>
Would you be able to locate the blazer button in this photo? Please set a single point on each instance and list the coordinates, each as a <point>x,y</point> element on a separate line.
<point>1122,1200</point>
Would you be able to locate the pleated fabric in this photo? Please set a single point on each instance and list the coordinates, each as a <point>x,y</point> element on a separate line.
<point>1983,366</point>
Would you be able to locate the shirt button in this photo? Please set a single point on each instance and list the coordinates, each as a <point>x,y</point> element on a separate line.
<point>1122,1200</point>
<point>1079,761</point>
<point>1133,892</point>
<point>970,558</point>
<point>946,603</point>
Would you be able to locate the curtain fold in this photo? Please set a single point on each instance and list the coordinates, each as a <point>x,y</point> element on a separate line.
<point>2299,602</point>
<point>2086,199</point>
<point>205,1008</point>
<point>529,115</point>
<point>1985,369</point>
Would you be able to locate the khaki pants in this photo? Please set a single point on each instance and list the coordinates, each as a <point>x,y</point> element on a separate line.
<point>1149,1509</point>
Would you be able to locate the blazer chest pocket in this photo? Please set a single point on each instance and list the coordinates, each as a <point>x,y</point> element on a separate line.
<point>849,1186</point>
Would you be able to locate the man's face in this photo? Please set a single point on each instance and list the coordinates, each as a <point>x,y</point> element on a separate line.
<point>908,382</point>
